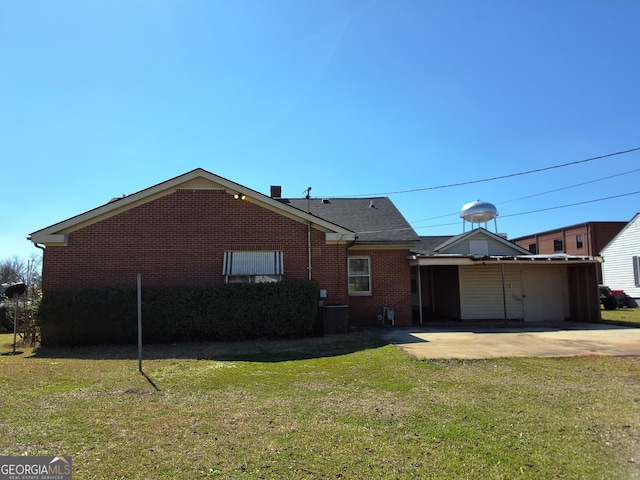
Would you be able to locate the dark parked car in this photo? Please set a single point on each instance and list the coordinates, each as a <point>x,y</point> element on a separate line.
<point>613,299</point>
<point>607,299</point>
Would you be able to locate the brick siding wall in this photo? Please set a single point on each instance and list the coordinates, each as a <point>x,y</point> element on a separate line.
<point>391,287</point>
<point>180,239</point>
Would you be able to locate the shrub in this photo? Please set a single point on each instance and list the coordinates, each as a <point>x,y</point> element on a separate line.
<point>189,313</point>
<point>6,318</point>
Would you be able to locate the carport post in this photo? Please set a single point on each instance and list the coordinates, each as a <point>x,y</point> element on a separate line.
<point>140,323</point>
<point>504,294</point>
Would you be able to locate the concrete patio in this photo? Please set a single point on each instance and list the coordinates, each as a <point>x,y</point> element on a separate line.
<point>558,339</point>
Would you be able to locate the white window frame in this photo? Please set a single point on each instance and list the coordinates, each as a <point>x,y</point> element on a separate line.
<point>359,275</point>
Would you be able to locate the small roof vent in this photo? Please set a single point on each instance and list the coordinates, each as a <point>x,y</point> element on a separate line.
<point>276,191</point>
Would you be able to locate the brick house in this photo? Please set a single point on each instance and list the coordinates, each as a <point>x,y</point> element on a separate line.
<point>200,228</point>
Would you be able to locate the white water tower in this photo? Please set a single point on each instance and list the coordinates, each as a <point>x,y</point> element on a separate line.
<point>479,212</point>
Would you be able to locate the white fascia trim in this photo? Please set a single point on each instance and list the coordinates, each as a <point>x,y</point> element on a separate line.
<point>53,239</point>
<point>196,180</point>
<point>334,237</point>
<point>417,261</point>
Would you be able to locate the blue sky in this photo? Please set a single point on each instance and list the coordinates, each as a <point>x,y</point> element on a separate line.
<point>350,97</point>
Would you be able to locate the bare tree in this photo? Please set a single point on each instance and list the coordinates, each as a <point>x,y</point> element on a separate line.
<point>13,270</point>
<point>16,270</point>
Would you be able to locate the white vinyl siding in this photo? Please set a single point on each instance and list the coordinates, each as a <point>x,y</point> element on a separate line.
<point>481,292</point>
<point>494,247</point>
<point>619,267</point>
<point>479,247</point>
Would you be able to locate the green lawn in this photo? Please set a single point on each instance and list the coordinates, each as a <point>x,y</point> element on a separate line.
<point>337,407</point>
<point>625,316</point>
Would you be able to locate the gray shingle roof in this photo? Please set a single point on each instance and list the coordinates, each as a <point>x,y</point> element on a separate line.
<point>429,245</point>
<point>375,220</point>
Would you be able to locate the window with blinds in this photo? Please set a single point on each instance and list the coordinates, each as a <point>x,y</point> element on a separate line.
<point>253,266</point>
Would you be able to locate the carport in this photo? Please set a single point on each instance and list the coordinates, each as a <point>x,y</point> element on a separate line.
<point>530,288</point>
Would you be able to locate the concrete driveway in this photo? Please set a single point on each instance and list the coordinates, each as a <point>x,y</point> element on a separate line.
<point>562,339</point>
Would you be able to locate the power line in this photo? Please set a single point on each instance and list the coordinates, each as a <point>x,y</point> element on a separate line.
<point>513,214</point>
<point>539,194</point>
<point>500,177</point>
<point>546,209</point>
<point>571,204</point>
<point>571,186</point>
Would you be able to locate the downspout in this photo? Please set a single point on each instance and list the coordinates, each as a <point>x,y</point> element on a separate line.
<point>420,291</point>
<point>309,247</point>
<point>307,196</point>
<point>41,247</point>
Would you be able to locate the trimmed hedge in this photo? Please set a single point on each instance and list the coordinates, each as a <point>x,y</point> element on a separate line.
<point>173,314</point>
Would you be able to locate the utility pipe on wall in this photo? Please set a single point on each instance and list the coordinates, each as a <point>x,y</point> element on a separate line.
<point>307,196</point>
<point>420,291</point>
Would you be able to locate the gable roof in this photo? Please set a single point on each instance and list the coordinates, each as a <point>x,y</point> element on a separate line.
<point>429,247</point>
<point>621,232</point>
<point>375,220</point>
<point>429,244</point>
<point>56,234</point>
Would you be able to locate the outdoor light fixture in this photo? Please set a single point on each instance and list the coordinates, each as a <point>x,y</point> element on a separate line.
<point>238,196</point>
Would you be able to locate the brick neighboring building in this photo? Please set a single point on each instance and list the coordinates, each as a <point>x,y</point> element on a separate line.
<point>581,239</point>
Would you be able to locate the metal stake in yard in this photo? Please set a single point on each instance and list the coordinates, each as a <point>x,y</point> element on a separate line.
<point>140,323</point>
<point>15,320</point>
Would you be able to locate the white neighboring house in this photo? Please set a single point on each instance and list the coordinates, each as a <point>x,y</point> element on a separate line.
<point>621,267</point>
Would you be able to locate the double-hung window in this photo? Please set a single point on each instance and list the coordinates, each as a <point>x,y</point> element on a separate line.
<point>558,246</point>
<point>253,266</point>
<point>359,275</point>
<point>636,271</point>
